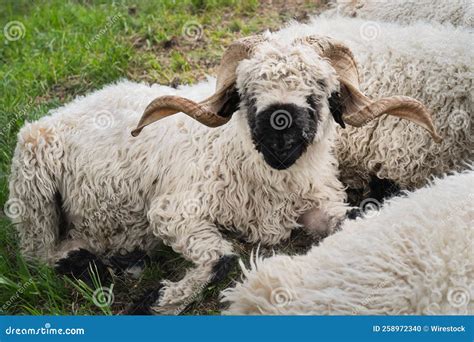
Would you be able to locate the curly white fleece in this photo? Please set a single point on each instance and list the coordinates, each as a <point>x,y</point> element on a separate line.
<point>455,12</point>
<point>415,256</point>
<point>429,62</point>
<point>179,182</point>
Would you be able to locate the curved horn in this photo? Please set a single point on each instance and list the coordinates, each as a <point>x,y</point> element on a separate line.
<point>358,109</point>
<point>164,106</point>
<point>207,111</point>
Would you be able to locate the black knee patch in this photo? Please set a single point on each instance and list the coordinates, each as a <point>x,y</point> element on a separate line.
<point>223,266</point>
<point>77,264</point>
<point>382,189</point>
<point>142,306</point>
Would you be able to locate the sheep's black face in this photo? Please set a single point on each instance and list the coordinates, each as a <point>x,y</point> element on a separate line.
<point>286,95</point>
<point>282,132</point>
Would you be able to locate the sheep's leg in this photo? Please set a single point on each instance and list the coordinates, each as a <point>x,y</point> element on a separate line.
<point>74,259</point>
<point>33,200</point>
<point>35,203</point>
<point>198,241</point>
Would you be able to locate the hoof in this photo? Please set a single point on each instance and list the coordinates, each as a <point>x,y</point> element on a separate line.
<point>78,263</point>
<point>223,266</point>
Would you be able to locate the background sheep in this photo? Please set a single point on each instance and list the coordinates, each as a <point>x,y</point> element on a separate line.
<point>394,60</point>
<point>456,12</point>
<point>413,257</point>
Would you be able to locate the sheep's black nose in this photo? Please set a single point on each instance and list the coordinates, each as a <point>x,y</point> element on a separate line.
<point>280,132</point>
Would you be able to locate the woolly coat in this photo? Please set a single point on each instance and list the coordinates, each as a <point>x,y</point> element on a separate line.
<point>413,257</point>
<point>431,63</point>
<point>80,180</point>
<point>455,12</point>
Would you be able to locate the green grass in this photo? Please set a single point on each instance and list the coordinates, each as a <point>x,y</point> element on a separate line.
<point>69,48</point>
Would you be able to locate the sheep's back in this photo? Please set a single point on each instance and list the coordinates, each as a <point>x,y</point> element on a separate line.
<point>455,12</point>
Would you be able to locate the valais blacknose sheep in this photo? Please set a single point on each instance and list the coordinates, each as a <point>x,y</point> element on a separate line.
<point>428,62</point>
<point>455,12</point>
<point>82,181</point>
<point>413,257</point>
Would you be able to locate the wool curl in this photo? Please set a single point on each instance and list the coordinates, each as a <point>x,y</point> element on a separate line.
<point>413,257</point>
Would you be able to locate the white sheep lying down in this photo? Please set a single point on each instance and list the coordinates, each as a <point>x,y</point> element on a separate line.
<point>425,61</point>
<point>414,256</point>
<point>455,12</point>
<point>87,185</point>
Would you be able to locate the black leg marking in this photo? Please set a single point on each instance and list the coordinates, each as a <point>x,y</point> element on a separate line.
<point>223,267</point>
<point>142,306</point>
<point>77,264</point>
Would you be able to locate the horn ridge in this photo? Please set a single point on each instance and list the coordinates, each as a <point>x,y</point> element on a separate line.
<point>206,111</point>
<point>359,109</point>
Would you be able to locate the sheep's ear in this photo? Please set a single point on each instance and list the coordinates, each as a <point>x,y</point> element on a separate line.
<point>336,106</point>
<point>231,103</point>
